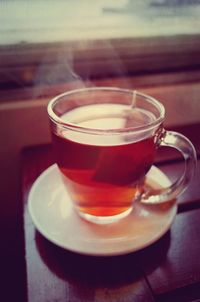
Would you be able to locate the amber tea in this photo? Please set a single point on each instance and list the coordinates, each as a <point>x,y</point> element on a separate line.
<point>104,177</point>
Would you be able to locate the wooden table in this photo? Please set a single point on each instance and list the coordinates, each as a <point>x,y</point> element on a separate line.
<point>168,270</point>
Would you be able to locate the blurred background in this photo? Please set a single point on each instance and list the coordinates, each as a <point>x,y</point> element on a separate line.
<point>48,47</point>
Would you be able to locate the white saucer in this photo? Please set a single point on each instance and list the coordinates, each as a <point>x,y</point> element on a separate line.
<point>53,215</point>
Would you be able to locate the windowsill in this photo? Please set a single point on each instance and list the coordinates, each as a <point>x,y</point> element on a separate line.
<point>56,63</point>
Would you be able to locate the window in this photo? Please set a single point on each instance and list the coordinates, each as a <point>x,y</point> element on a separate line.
<point>47,44</point>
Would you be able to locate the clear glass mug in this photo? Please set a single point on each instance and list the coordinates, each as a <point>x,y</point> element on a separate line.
<point>105,141</point>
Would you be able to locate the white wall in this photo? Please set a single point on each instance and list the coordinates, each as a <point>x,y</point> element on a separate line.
<point>21,124</point>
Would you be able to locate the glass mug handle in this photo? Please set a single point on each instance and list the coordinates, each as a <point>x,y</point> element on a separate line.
<point>182,144</point>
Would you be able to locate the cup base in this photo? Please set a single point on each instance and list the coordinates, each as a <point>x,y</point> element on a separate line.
<point>104,219</point>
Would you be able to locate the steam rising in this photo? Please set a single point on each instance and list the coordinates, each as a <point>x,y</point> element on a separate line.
<point>56,69</point>
<point>80,65</point>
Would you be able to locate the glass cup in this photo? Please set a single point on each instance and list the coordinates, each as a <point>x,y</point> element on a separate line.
<point>105,141</point>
